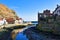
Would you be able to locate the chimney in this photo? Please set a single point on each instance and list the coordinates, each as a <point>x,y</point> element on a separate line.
<point>57,5</point>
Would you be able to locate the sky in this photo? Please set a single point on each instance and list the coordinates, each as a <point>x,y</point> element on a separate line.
<point>28,9</point>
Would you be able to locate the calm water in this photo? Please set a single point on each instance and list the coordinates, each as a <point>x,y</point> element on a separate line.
<point>21,36</point>
<point>28,34</point>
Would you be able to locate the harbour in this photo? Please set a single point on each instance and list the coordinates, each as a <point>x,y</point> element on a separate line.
<point>33,34</point>
<point>30,20</point>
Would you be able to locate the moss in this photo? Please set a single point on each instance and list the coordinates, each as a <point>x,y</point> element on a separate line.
<point>39,27</point>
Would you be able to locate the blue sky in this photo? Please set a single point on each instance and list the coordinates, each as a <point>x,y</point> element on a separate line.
<point>28,9</point>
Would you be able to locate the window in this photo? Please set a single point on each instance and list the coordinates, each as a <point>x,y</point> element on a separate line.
<point>44,15</point>
<point>40,16</point>
<point>59,11</point>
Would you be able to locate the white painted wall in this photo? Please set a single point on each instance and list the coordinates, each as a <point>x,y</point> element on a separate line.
<point>57,11</point>
<point>2,22</point>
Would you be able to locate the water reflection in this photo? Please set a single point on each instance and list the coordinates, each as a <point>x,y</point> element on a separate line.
<point>31,33</point>
<point>21,36</point>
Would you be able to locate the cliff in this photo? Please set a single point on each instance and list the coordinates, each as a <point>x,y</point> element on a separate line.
<point>6,12</point>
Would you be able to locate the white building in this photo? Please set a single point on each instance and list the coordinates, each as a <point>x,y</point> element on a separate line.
<point>2,21</point>
<point>57,10</point>
<point>19,21</point>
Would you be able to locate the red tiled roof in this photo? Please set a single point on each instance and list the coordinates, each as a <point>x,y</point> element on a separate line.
<point>10,19</point>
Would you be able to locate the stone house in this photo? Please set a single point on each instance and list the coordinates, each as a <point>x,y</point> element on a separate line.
<point>10,20</point>
<point>46,16</point>
<point>49,21</point>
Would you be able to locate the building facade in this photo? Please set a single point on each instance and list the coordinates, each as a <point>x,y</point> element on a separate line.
<point>45,16</point>
<point>57,10</point>
<point>49,21</point>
